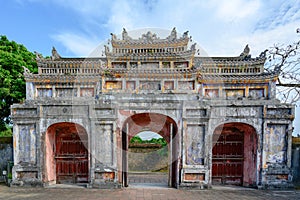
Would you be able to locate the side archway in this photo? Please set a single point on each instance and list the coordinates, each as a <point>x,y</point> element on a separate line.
<point>66,153</point>
<point>234,154</point>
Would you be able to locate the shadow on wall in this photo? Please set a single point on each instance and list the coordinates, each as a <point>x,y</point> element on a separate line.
<point>6,156</point>
<point>296,161</point>
<point>147,157</point>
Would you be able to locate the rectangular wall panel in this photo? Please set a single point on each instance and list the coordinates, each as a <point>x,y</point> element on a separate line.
<point>276,143</point>
<point>104,144</point>
<point>27,143</point>
<point>195,145</point>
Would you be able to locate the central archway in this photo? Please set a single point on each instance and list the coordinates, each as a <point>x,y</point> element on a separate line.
<point>160,124</point>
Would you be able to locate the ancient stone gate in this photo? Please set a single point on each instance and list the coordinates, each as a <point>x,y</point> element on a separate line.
<point>219,116</point>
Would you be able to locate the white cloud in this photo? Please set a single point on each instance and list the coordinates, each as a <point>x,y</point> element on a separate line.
<point>220,27</point>
<point>77,44</point>
<point>236,9</point>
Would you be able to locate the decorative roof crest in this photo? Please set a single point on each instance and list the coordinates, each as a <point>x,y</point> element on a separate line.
<point>38,56</point>
<point>246,53</point>
<point>55,55</point>
<point>148,37</point>
<point>125,35</point>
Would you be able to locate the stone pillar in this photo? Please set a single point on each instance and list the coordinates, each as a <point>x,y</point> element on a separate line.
<point>160,64</point>
<point>172,64</point>
<point>171,155</point>
<point>26,170</point>
<point>30,91</point>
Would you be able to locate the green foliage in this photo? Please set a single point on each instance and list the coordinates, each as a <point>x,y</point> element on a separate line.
<point>12,84</point>
<point>6,133</point>
<point>137,139</point>
<point>9,176</point>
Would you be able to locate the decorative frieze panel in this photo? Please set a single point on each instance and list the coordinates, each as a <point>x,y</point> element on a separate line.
<point>169,85</point>
<point>237,112</point>
<point>130,85</point>
<point>113,85</point>
<point>256,93</point>
<point>150,65</point>
<point>150,85</point>
<point>234,93</point>
<point>26,143</point>
<point>104,112</point>
<point>104,144</point>
<point>24,112</point>
<point>66,92</point>
<point>211,93</point>
<point>119,65</point>
<point>86,92</point>
<point>195,144</point>
<point>44,92</point>
<point>196,112</point>
<point>275,145</point>
<point>66,110</point>
<point>186,85</point>
<point>180,64</point>
<point>194,177</point>
<point>279,113</point>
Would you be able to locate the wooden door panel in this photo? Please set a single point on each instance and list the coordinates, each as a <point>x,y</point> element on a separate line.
<point>227,159</point>
<point>71,158</point>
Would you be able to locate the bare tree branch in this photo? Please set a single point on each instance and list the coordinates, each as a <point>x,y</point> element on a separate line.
<point>284,60</point>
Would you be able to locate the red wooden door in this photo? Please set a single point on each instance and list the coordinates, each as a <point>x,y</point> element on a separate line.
<point>227,159</point>
<point>71,158</point>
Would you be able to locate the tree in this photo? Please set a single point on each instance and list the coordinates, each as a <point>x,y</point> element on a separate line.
<point>136,139</point>
<point>285,62</point>
<point>12,84</point>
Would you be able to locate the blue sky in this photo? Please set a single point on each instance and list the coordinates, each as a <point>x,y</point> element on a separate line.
<point>220,27</point>
<point>76,27</point>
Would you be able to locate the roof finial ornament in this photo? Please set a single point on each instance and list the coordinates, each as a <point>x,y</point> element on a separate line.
<point>263,54</point>
<point>38,56</point>
<point>26,70</point>
<point>193,46</point>
<point>125,35</point>
<point>55,55</point>
<point>185,34</point>
<point>173,35</point>
<point>113,36</point>
<point>245,54</point>
<point>106,49</point>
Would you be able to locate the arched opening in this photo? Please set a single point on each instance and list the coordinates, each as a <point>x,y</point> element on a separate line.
<point>148,159</point>
<point>234,155</point>
<point>66,155</point>
<point>161,124</point>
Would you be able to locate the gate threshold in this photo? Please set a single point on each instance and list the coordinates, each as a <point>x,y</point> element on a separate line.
<point>149,185</point>
<point>66,186</point>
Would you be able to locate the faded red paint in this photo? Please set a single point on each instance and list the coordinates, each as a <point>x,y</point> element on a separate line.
<point>66,153</point>
<point>250,155</point>
<point>234,154</point>
<point>194,177</point>
<point>50,172</point>
<point>154,122</point>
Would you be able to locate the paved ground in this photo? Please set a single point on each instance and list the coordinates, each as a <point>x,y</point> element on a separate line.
<point>148,179</point>
<point>154,193</point>
<point>143,186</point>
